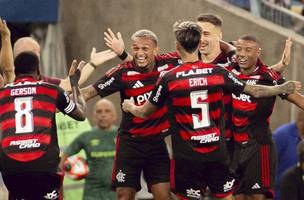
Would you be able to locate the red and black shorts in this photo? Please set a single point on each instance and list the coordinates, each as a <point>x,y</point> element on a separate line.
<point>255,166</point>
<point>33,185</point>
<point>134,155</point>
<point>189,179</point>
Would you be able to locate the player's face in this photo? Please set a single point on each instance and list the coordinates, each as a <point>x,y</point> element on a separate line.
<point>144,51</point>
<point>105,115</point>
<point>247,53</point>
<point>210,38</point>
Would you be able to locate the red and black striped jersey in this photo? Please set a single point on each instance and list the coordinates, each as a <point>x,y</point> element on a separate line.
<point>27,117</point>
<point>131,82</point>
<point>224,60</point>
<point>194,95</point>
<point>250,116</point>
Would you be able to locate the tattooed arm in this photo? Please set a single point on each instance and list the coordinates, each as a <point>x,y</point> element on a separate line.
<point>267,91</point>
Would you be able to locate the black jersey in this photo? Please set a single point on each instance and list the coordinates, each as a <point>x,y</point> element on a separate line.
<point>251,115</point>
<point>194,95</point>
<point>27,117</point>
<point>134,84</point>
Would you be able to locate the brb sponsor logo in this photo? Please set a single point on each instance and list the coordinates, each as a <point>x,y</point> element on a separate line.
<point>25,144</point>
<point>193,193</point>
<point>206,138</point>
<point>242,97</point>
<point>107,83</point>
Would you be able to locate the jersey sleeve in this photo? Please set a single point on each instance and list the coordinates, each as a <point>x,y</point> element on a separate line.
<point>52,80</point>
<point>64,103</point>
<point>110,83</point>
<point>277,79</point>
<point>231,82</point>
<point>75,146</point>
<point>159,93</point>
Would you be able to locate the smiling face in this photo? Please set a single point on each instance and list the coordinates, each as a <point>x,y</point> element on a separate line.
<point>247,53</point>
<point>210,38</point>
<point>144,51</point>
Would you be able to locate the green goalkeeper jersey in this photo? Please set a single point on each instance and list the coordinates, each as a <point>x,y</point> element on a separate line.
<point>99,147</point>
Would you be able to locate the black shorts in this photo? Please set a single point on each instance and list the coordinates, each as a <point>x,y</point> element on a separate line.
<point>134,155</point>
<point>255,166</point>
<point>33,185</point>
<point>190,178</point>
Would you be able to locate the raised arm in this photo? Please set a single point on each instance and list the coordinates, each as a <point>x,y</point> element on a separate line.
<point>226,47</point>
<point>6,54</point>
<point>116,43</point>
<point>96,59</point>
<point>257,91</point>
<point>285,60</point>
<point>74,75</point>
<point>142,111</point>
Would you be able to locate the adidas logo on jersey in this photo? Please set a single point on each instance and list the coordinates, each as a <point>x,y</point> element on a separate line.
<point>256,186</point>
<point>138,84</point>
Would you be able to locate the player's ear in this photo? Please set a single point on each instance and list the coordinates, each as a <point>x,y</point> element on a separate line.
<point>259,51</point>
<point>156,51</point>
<point>221,35</point>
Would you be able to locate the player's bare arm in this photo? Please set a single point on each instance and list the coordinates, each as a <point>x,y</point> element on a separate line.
<point>116,43</point>
<point>6,54</point>
<point>297,99</point>
<point>226,47</point>
<point>285,60</point>
<point>88,92</point>
<point>142,111</point>
<point>96,59</point>
<point>257,91</point>
<point>74,75</point>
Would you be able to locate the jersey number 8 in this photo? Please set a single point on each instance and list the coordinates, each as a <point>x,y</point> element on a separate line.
<point>24,115</point>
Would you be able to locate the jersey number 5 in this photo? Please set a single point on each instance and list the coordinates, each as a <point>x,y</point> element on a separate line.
<point>197,98</point>
<point>24,115</point>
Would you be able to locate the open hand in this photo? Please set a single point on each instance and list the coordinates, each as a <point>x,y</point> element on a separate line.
<point>114,42</point>
<point>98,58</point>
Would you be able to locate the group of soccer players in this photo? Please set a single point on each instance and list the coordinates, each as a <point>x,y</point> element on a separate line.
<point>181,94</point>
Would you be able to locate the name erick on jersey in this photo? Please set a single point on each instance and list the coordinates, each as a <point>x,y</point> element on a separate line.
<point>250,116</point>
<point>27,117</point>
<point>194,95</point>
<point>130,82</point>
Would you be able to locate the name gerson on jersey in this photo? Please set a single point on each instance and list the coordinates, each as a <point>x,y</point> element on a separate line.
<point>27,116</point>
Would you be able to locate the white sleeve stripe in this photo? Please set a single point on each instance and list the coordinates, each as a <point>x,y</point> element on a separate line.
<point>70,107</point>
